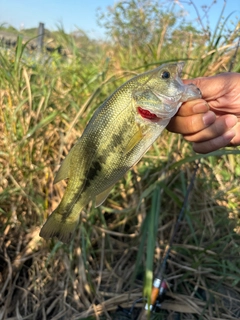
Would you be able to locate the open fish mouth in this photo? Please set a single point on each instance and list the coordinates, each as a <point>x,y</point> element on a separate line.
<point>168,104</point>
<point>154,114</point>
<point>146,114</point>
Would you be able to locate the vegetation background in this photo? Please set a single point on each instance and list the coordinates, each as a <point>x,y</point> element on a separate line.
<point>45,102</point>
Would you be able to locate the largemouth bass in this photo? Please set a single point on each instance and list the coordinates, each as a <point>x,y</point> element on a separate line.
<point>120,132</point>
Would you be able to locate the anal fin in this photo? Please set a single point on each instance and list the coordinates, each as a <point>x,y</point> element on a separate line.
<point>101,197</point>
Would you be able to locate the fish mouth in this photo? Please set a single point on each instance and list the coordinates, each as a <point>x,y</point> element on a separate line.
<point>146,114</point>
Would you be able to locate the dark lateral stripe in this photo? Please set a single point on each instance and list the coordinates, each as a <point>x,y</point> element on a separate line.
<point>92,173</point>
<point>68,208</point>
<point>75,197</point>
<point>116,140</point>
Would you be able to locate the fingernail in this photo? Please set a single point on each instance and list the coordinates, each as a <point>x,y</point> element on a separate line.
<point>231,121</point>
<point>208,118</point>
<point>201,108</point>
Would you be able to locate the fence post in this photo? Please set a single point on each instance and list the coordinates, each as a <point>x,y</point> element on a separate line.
<point>40,37</point>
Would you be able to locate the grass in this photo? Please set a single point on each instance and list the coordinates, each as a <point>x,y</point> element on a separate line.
<point>44,107</point>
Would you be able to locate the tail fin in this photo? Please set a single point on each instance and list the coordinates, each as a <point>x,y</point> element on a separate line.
<point>56,227</point>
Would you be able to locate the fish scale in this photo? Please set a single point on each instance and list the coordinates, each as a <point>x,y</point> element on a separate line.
<point>119,133</point>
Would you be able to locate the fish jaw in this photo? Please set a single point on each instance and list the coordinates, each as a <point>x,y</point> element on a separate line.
<point>161,98</point>
<point>191,92</point>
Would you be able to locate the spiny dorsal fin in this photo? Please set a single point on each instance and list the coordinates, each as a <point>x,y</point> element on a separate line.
<point>101,197</point>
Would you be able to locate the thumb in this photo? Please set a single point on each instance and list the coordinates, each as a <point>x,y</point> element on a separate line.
<point>212,87</point>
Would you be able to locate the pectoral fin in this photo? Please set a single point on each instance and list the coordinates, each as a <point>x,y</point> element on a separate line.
<point>134,140</point>
<point>101,197</point>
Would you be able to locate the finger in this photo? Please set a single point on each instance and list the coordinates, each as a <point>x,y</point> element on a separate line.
<point>236,140</point>
<point>216,143</point>
<point>192,107</point>
<point>215,86</point>
<point>191,124</point>
<point>216,129</point>
<point>205,84</point>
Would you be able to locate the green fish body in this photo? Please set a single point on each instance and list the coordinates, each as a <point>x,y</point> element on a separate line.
<point>120,132</point>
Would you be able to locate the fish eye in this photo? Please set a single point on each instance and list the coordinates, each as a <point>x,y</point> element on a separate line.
<point>165,75</point>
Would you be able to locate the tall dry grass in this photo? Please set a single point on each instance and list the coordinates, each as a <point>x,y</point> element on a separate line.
<point>44,107</point>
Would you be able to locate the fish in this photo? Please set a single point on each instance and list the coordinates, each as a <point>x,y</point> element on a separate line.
<point>119,133</point>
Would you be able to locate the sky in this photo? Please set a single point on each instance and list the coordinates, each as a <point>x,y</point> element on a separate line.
<point>82,13</point>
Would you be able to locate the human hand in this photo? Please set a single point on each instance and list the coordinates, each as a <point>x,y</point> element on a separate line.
<point>214,121</point>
